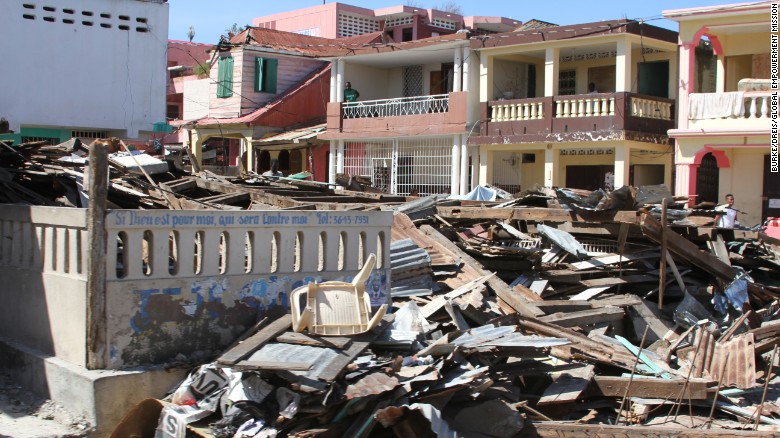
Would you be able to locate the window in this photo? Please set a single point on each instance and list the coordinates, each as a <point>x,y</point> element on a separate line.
<point>225,77</point>
<point>567,82</point>
<point>407,34</point>
<point>265,74</point>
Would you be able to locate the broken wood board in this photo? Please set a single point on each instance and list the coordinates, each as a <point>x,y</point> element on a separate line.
<point>585,317</point>
<point>650,387</point>
<point>614,281</point>
<point>612,259</point>
<point>308,339</point>
<point>567,386</point>
<point>441,300</point>
<point>266,334</point>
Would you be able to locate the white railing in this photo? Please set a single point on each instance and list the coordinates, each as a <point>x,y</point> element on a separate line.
<point>585,106</point>
<point>651,108</point>
<point>401,106</point>
<point>757,104</point>
<point>511,111</point>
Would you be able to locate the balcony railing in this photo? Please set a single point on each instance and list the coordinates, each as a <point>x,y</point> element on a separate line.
<point>577,113</point>
<point>718,106</point>
<point>401,106</point>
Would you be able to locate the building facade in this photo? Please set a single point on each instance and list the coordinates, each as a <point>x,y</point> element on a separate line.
<point>722,143</point>
<point>83,68</point>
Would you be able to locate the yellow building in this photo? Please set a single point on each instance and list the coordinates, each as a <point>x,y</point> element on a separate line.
<point>583,106</point>
<point>723,124</point>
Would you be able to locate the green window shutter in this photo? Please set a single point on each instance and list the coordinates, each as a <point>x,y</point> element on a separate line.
<point>265,74</point>
<point>225,77</point>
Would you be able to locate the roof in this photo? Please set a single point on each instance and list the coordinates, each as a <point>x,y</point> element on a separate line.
<point>534,24</point>
<point>294,136</point>
<point>734,8</point>
<point>304,44</point>
<point>611,27</point>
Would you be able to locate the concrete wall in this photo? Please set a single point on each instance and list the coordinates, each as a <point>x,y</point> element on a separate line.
<point>196,105</point>
<point>43,261</point>
<point>192,281</point>
<point>86,76</point>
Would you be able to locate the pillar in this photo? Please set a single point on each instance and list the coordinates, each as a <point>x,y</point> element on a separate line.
<point>622,163</point>
<point>340,80</point>
<point>464,164</point>
<point>456,83</point>
<point>720,74</point>
<point>455,181</point>
<point>466,69</point>
<point>484,169</point>
<point>551,68</point>
<point>332,162</point>
<point>550,166</point>
<point>623,66</point>
<point>485,78</point>
<point>687,69</point>
<point>334,68</point>
<point>340,157</point>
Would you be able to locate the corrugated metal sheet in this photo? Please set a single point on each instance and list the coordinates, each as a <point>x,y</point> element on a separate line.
<point>375,383</point>
<point>295,136</point>
<point>740,368</point>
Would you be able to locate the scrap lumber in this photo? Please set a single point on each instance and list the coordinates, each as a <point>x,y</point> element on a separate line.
<point>585,317</point>
<point>567,386</point>
<point>265,335</point>
<point>650,387</point>
<point>498,286</point>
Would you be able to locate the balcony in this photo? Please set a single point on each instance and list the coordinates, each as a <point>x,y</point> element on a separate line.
<point>735,111</point>
<point>584,117</point>
<point>438,114</point>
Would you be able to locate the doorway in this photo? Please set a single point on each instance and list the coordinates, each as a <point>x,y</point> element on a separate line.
<point>654,78</point>
<point>708,179</point>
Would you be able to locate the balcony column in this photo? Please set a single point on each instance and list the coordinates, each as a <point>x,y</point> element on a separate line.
<point>687,69</point>
<point>455,181</point>
<point>720,74</point>
<point>332,162</point>
<point>622,163</point>
<point>551,157</point>
<point>466,69</point>
<point>485,78</point>
<point>623,72</point>
<point>551,69</point>
<point>340,80</point>
<point>485,160</point>
<point>458,61</point>
<point>464,164</point>
<point>334,68</point>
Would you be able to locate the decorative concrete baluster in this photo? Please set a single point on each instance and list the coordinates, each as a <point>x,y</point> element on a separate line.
<point>611,106</point>
<point>753,108</point>
<point>566,108</point>
<point>513,112</point>
<point>533,111</point>
<point>540,112</point>
<point>764,106</point>
<point>580,107</point>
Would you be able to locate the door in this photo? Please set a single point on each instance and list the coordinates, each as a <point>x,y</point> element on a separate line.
<point>771,198</point>
<point>707,179</point>
<point>592,177</point>
<point>654,78</point>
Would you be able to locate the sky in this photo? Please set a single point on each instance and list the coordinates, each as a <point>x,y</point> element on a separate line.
<point>212,18</point>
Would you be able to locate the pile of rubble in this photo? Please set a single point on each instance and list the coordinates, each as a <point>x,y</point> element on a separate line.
<point>553,312</point>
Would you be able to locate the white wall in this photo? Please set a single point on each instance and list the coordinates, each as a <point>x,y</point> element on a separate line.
<point>196,102</point>
<point>59,74</point>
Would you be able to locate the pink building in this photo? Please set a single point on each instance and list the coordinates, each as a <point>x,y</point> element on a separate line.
<point>399,23</point>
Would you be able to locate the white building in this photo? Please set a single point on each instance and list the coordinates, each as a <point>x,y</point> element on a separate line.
<point>82,68</point>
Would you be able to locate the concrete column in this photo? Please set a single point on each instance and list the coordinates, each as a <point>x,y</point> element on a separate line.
<point>466,69</point>
<point>550,166</point>
<point>464,165</point>
<point>334,68</point>
<point>485,173</point>
<point>485,79</point>
<point>685,180</point>
<point>340,157</point>
<point>455,181</point>
<point>623,71</point>
<point>340,80</point>
<point>622,163</point>
<point>551,70</point>
<point>673,77</point>
<point>97,351</point>
<point>687,69</point>
<point>332,162</point>
<point>456,83</point>
<point>720,74</point>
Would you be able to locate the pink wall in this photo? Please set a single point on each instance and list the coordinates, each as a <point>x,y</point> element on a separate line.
<point>322,17</point>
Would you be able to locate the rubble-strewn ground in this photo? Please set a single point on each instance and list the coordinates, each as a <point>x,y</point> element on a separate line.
<point>25,415</point>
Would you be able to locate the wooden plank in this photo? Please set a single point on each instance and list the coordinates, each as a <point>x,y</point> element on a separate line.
<point>97,351</point>
<point>552,306</point>
<point>585,317</point>
<point>501,289</point>
<point>567,386</point>
<point>642,315</point>
<point>612,259</point>
<point>266,334</point>
<point>314,340</point>
<point>440,301</point>
<point>556,429</point>
<point>359,344</point>
<point>649,387</point>
<point>259,365</point>
<point>589,293</point>
<point>612,281</point>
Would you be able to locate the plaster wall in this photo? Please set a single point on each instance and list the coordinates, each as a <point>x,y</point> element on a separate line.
<point>196,105</point>
<point>87,71</point>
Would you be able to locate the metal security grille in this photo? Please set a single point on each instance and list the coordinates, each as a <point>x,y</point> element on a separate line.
<point>506,171</point>
<point>399,166</point>
<point>49,140</point>
<point>413,81</point>
<point>89,134</point>
<point>402,106</point>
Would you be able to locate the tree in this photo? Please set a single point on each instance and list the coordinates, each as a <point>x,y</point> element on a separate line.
<point>235,29</point>
<point>191,33</point>
<point>413,4</point>
<point>451,7</point>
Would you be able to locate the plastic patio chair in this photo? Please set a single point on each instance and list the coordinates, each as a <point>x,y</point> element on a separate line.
<point>336,308</point>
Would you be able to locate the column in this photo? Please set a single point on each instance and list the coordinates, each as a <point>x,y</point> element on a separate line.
<point>673,77</point>
<point>455,181</point>
<point>456,83</point>
<point>340,80</point>
<point>466,69</point>
<point>720,74</point>
<point>332,162</point>
<point>464,164</point>
<point>484,169</point>
<point>340,157</point>
<point>550,166</point>
<point>622,163</point>
<point>623,72</point>
<point>334,68</point>
<point>551,68</point>
<point>485,79</point>
<point>687,69</point>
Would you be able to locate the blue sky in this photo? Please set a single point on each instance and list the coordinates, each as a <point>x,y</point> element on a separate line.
<point>211,18</point>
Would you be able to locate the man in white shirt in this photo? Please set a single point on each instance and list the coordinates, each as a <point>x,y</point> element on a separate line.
<point>727,214</point>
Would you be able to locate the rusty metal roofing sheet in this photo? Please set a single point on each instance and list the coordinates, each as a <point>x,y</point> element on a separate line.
<point>740,368</point>
<point>375,383</point>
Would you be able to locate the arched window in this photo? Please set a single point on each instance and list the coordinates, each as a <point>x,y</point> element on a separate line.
<point>264,162</point>
<point>284,162</point>
<point>707,179</point>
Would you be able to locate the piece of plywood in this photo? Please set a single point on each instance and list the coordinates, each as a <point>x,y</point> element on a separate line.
<point>319,341</point>
<point>649,387</point>
<point>567,386</point>
<point>585,317</point>
<point>256,341</point>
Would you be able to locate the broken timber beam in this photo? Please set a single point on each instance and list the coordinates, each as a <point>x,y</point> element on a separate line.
<point>650,387</point>
<point>520,304</point>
